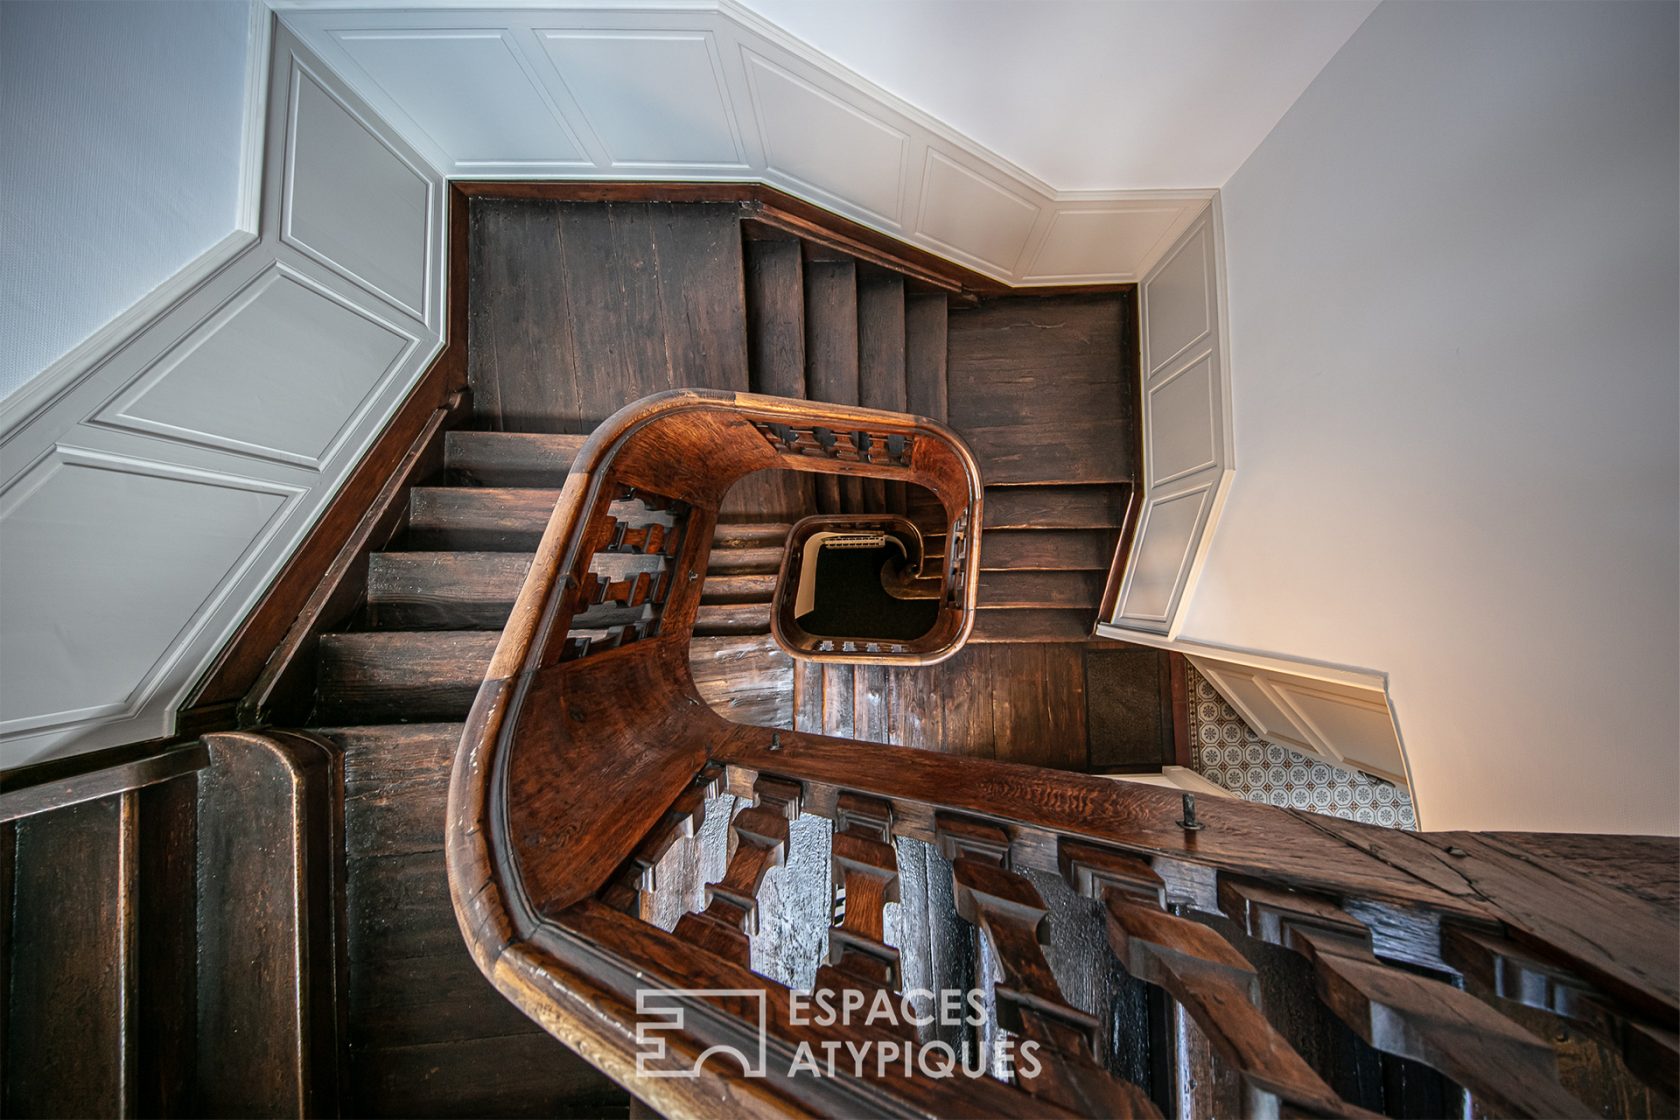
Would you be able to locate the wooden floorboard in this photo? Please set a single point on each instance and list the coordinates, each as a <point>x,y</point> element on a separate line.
<point>577,309</point>
<point>1036,389</point>
<point>428,1033</point>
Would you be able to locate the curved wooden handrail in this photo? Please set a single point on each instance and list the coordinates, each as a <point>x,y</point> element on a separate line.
<point>540,815</point>
<point>588,733</point>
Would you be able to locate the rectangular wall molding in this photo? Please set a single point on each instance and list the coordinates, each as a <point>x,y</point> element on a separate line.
<point>710,90</point>
<point>153,486</point>
<point>1188,456</point>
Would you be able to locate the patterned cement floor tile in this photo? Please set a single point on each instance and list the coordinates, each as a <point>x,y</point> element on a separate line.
<point>1227,752</point>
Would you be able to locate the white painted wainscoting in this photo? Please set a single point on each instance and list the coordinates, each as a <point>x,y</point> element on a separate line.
<point>713,91</point>
<point>153,484</point>
<point>1187,437</point>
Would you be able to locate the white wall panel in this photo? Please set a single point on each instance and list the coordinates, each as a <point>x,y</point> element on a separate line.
<point>1179,305</point>
<point>1344,724</point>
<point>479,103</point>
<point>1168,532</point>
<point>710,90</point>
<point>652,98</point>
<point>972,217</point>
<point>147,501</point>
<point>352,200</point>
<point>107,563</point>
<point>1185,423</point>
<point>280,371</point>
<point>817,141</point>
<point>1186,430</point>
<point>1103,242</point>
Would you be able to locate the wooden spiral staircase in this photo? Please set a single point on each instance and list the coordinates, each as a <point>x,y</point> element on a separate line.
<point>553,881</point>
<point>256,917</point>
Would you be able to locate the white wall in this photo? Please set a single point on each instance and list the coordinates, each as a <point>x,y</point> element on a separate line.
<point>1453,289</point>
<point>154,485</point>
<point>707,89</point>
<point>121,126</point>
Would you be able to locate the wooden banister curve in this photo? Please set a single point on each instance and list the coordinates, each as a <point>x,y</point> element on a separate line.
<point>588,752</point>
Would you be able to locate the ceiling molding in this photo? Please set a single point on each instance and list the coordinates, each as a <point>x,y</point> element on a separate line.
<point>664,91</point>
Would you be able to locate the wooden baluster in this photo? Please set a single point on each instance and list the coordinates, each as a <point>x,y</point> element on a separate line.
<point>1009,910</point>
<point>1502,968</point>
<point>636,880</point>
<point>760,833</point>
<point>1216,985</point>
<point>866,870</point>
<point>1400,1012</point>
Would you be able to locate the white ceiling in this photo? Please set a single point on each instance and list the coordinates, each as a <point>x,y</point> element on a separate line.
<point>1090,94</point>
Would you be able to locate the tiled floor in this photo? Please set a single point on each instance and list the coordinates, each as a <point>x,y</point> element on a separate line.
<point>1227,752</point>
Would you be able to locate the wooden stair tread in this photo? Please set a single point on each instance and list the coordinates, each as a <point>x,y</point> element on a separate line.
<point>476,590</point>
<point>751,534</point>
<point>1055,507</point>
<point>924,354</point>
<point>1040,625</point>
<point>479,517</point>
<point>444,590</point>
<point>733,588</point>
<point>1020,589</point>
<point>776,317</point>
<point>396,781</point>
<point>511,458</point>
<point>1062,550</point>
<point>509,519</point>
<point>713,619</point>
<point>397,675</point>
<point>744,561</point>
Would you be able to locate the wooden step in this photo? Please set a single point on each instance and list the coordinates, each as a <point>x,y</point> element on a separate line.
<point>924,354</point>
<point>831,359</point>
<point>396,781</point>
<point>510,458</point>
<point>1055,507</point>
<point>752,588</point>
<point>744,561</point>
<point>400,675</point>
<point>881,384</point>
<point>67,951</point>
<point>1060,550</point>
<point>512,519</point>
<point>480,518</point>
<point>750,535</point>
<point>1037,387</point>
<point>775,278</point>
<point>1041,625</point>
<point>1017,590</point>
<point>476,590</point>
<point>718,619</point>
<point>422,1018</point>
<point>443,590</point>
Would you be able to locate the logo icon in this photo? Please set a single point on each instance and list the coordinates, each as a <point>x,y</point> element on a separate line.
<point>661,1012</point>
